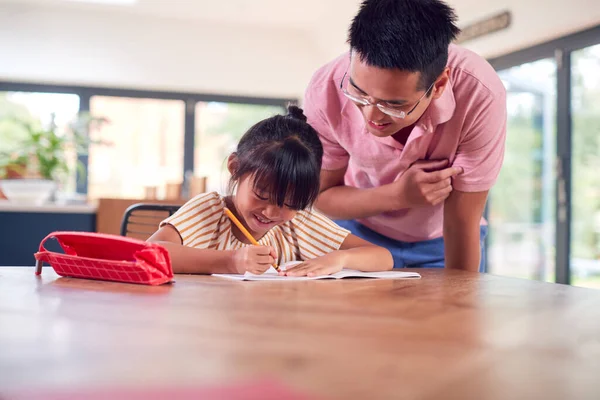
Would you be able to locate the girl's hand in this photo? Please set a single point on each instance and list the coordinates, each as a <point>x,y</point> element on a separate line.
<point>324,265</point>
<point>254,259</point>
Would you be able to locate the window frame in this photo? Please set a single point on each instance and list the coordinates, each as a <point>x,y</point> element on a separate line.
<point>561,50</point>
<point>190,100</point>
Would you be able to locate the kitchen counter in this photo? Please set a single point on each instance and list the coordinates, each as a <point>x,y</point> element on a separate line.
<point>22,227</point>
<point>8,206</point>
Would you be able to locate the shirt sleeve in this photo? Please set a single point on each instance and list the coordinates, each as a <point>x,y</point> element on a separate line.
<point>197,221</point>
<point>481,151</point>
<point>315,235</point>
<point>315,106</point>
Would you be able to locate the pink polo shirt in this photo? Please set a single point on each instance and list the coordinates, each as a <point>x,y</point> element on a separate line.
<point>466,125</point>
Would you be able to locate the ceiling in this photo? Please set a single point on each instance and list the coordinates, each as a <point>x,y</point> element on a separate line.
<point>324,23</point>
<point>304,14</point>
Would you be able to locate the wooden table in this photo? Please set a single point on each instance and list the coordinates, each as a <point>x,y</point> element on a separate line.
<point>450,335</point>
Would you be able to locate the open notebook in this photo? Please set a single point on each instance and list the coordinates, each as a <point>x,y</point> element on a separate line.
<point>272,275</point>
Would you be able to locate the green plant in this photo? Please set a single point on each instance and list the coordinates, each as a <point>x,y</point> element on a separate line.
<point>49,153</point>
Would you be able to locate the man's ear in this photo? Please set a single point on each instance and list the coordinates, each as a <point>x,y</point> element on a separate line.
<point>440,84</point>
<point>232,163</point>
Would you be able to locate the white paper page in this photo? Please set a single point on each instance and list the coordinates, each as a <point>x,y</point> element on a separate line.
<point>350,273</point>
<point>269,274</point>
<point>272,275</point>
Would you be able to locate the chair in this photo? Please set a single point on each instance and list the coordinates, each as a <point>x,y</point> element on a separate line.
<point>141,220</point>
<point>109,216</point>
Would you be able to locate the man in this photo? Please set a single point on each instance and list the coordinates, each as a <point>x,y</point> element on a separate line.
<point>413,129</point>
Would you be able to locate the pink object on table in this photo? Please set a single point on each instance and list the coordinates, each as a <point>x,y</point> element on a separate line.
<point>260,390</point>
<point>107,257</point>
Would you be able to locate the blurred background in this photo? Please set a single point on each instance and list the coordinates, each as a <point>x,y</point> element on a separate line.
<point>128,100</point>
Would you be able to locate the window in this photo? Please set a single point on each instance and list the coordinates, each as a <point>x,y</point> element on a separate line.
<point>544,213</point>
<point>150,139</point>
<point>521,216</point>
<point>142,146</point>
<point>219,126</point>
<point>41,110</point>
<point>585,223</point>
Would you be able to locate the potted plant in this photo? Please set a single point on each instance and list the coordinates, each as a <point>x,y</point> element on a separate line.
<point>45,158</point>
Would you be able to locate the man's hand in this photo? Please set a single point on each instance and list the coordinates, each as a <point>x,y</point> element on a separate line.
<point>424,183</point>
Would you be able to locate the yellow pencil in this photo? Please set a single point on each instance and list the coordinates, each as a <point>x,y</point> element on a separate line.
<point>244,230</point>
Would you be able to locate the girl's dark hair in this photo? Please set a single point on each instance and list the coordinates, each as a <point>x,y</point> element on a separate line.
<point>283,154</point>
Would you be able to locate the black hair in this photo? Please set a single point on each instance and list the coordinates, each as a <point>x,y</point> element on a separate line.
<point>283,153</point>
<point>409,35</point>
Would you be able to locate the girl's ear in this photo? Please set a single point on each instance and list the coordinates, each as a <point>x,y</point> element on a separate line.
<point>232,163</point>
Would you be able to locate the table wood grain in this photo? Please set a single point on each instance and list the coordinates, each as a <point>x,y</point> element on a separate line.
<point>449,335</point>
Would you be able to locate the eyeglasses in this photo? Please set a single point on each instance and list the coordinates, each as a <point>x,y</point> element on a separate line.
<point>392,110</point>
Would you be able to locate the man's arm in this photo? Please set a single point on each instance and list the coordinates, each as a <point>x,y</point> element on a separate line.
<point>338,201</point>
<point>423,184</point>
<point>462,216</point>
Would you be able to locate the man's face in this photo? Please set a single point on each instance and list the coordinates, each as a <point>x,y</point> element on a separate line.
<point>392,88</point>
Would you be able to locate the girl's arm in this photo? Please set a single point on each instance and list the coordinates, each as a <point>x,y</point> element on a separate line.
<point>354,253</point>
<point>189,260</point>
<point>365,256</point>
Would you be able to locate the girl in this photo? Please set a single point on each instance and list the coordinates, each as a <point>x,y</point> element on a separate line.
<point>275,173</point>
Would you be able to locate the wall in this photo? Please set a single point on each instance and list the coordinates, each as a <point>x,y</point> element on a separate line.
<point>108,48</point>
<point>47,45</point>
<point>533,22</point>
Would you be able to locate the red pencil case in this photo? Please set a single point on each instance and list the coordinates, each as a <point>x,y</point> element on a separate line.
<point>107,257</point>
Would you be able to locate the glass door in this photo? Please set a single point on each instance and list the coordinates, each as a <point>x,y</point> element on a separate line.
<point>585,161</point>
<point>521,208</point>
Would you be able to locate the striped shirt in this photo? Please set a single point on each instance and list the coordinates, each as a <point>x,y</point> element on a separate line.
<point>202,224</point>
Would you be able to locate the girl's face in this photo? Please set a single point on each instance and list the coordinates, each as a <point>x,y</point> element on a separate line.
<point>257,213</point>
